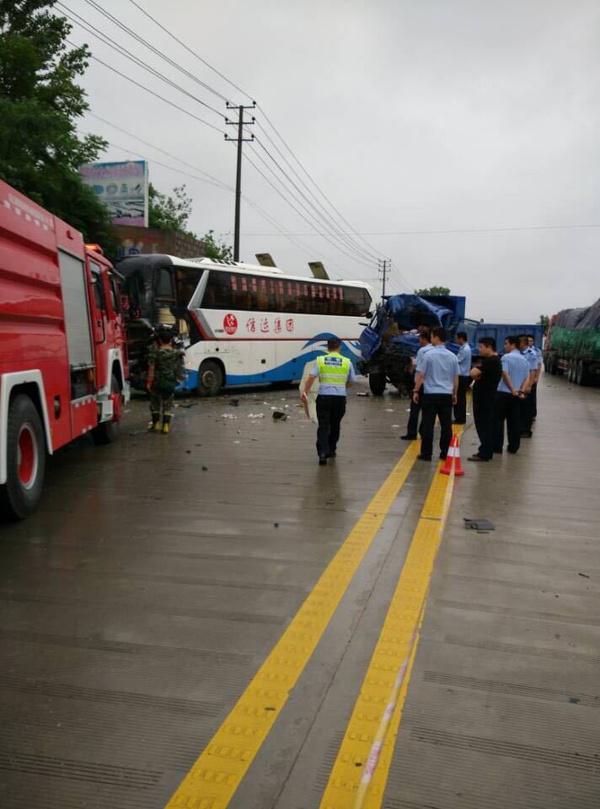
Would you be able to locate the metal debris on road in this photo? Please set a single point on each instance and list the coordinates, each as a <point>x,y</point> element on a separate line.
<point>479,525</point>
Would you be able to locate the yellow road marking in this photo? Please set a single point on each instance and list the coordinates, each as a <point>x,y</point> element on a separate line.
<point>355,780</point>
<point>214,778</point>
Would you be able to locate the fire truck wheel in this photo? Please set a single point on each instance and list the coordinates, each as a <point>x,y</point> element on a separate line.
<point>377,384</point>
<point>108,431</point>
<point>210,379</point>
<point>26,460</point>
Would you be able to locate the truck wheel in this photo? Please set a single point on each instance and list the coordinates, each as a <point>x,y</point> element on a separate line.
<point>25,460</point>
<point>377,384</point>
<point>210,379</point>
<point>583,374</point>
<point>108,431</point>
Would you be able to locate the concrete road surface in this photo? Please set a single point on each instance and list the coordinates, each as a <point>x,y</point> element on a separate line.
<point>213,610</point>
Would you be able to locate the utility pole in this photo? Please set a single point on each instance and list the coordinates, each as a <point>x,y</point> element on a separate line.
<point>384,271</point>
<point>240,123</point>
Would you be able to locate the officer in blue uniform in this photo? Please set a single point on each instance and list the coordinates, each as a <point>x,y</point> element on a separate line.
<point>513,388</point>
<point>335,374</point>
<point>527,405</point>
<point>436,387</point>
<point>415,407</point>
<point>540,360</point>
<point>464,378</point>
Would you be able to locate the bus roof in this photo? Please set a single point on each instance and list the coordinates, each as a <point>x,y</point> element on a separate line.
<point>156,260</point>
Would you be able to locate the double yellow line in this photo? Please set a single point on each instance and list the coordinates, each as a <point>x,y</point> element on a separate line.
<point>217,773</point>
<point>360,772</point>
<point>359,775</point>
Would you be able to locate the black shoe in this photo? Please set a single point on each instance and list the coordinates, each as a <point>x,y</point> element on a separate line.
<point>498,452</point>
<point>478,458</point>
<point>512,451</point>
<point>527,434</point>
<point>423,458</point>
<point>408,437</point>
<point>442,456</point>
<point>322,460</point>
<point>332,454</point>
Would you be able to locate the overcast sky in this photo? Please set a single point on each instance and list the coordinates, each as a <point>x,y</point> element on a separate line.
<point>439,115</point>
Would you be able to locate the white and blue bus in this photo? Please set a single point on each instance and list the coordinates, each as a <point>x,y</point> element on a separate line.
<point>240,324</point>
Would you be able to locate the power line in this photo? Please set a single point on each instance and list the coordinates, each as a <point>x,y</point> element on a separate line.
<point>148,90</point>
<point>342,237</point>
<point>159,149</point>
<point>518,228</point>
<point>253,204</point>
<point>151,48</point>
<point>91,29</point>
<point>163,28</point>
<point>314,224</point>
<point>189,50</point>
<point>326,221</point>
<point>352,242</point>
<point>281,138</point>
<point>287,201</point>
<point>315,216</point>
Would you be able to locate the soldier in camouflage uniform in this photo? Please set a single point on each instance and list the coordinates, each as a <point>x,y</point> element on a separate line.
<point>165,372</point>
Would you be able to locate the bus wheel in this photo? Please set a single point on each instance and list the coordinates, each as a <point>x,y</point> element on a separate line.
<point>108,431</point>
<point>210,379</point>
<point>26,460</point>
<point>377,384</point>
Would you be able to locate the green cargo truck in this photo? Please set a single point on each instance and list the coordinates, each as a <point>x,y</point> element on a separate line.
<point>573,345</point>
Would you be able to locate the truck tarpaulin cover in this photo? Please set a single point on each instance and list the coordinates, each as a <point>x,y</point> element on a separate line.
<point>404,308</point>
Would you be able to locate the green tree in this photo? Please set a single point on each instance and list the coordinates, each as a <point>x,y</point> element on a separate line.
<point>544,321</point>
<point>215,249</point>
<point>433,291</point>
<point>173,213</point>
<point>40,102</point>
<point>170,212</point>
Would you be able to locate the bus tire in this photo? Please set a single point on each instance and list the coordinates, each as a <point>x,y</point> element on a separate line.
<point>25,460</point>
<point>108,431</point>
<point>210,379</point>
<point>377,383</point>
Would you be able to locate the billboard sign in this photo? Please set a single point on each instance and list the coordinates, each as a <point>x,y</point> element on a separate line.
<point>123,188</point>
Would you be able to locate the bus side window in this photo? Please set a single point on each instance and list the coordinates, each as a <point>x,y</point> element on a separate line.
<point>164,286</point>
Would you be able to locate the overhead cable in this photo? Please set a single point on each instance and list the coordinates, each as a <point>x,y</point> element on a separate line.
<point>91,29</point>
<point>316,215</point>
<point>189,50</point>
<point>148,90</point>
<point>340,231</point>
<point>291,205</point>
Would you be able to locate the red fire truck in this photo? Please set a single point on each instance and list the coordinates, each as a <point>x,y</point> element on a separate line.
<point>63,364</point>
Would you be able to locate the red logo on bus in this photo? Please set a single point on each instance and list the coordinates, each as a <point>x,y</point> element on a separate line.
<point>230,324</point>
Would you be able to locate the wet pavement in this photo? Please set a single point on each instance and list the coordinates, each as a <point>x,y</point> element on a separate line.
<point>140,600</point>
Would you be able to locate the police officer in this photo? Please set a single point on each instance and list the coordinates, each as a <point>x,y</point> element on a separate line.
<point>464,379</point>
<point>512,390</point>
<point>165,372</point>
<point>540,359</point>
<point>415,407</point>
<point>528,403</point>
<point>487,378</point>
<point>335,374</point>
<point>436,387</point>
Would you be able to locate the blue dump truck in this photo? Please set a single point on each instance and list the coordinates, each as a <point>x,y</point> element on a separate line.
<point>391,340</point>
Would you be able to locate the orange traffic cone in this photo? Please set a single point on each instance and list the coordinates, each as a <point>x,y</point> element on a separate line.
<point>447,467</point>
<point>458,470</point>
<point>453,457</point>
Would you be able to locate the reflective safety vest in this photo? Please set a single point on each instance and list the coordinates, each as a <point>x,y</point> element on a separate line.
<point>333,370</point>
